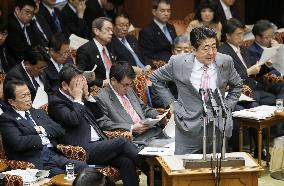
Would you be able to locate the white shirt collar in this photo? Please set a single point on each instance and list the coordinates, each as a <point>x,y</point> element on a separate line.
<point>225,7</point>
<point>48,8</point>
<point>21,23</point>
<point>56,65</point>
<point>22,113</point>
<point>73,8</point>
<point>66,95</point>
<point>117,95</point>
<point>100,3</point>
<point>160,25</point>
<point>99,45</point>
<point>30,77</point>
<point>235,48</point>
<point>198,65</point>
<point>263,47</point>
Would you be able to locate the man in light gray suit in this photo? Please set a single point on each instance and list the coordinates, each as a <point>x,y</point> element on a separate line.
<point>203,68</point>
<point>126,111</point>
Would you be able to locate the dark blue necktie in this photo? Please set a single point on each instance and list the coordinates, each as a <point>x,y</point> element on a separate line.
<point>56,23</point>
<point>29,119</point>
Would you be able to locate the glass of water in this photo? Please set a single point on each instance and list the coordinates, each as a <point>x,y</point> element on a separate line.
<point>70,171</point>
<point>279,105</point>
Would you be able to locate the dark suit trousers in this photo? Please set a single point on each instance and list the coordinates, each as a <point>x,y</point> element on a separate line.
<point>56,164</point>
<point>120,153</point>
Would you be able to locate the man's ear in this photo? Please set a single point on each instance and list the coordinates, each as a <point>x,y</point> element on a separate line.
<point>154,12</point>
<point>11,102</point>
<point>17,10</point>
<point>193,50</point>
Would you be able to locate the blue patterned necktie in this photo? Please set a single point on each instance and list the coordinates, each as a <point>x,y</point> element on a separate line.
<point>137,60</point>
<point>29,119</point>
<point>56,22</point>
<point>167,34</point>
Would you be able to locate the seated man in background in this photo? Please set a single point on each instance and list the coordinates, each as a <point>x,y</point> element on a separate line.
<point>126,111</point>
<point>31,70</point>
<point>126,47</point>
<point>79,114</point>
<point>157,37</point>
<point>181,45</point>
<point>59,52</point>
<point>29,134</point>
<point>263,32</point>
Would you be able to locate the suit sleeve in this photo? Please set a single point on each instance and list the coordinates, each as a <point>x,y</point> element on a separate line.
<point>159,79</point>
<point>146,42</point>
<point>235,83</point>
<point>15,138</point>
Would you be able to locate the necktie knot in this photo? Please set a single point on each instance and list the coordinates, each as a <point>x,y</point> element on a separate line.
<point>27,115</point>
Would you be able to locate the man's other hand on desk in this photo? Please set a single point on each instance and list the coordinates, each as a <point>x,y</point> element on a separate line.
<point>139,128</point>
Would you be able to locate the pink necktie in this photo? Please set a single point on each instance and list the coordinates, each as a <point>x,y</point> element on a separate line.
<point>129,109</point>
<point>205,81</point>
<point>106,59</point>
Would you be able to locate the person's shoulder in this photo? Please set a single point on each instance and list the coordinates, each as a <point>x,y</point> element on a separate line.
<point>194,23</point>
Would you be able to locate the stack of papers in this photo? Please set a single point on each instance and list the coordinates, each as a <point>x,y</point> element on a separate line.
<point>258,113</point>
<point>30,176</point>
<point>151,122</point>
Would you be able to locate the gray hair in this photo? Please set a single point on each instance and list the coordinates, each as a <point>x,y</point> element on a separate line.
<point>99,22</point>
<point>181,39</point>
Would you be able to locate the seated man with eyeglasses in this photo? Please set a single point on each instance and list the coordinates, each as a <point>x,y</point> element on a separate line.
<point>124,109</point>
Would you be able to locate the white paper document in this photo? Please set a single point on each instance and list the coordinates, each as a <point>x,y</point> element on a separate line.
<point>278,59</point>
<point>152,122</point>
<point>41,98</point>
<point>268,54</point>
<point>169,129</point>
<point>76,41</point>
<point>257,113</point>
<point>30,176</point>
<point>245,98</point>
<point>157,151</point>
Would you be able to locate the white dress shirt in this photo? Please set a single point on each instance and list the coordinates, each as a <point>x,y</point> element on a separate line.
<point>237,50</point>
<point>100,48</point>
<point>227,10</point>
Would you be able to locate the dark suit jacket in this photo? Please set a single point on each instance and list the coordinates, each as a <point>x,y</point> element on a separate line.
<point>16,40</point>
<point>233,9</point>
<point>45,28</point>
<point>75,118</point>
<point>94,10</point>
<point>256,52</point>
<point>43,11</point>
<point>5,59</point>
<point>19,73</point>
<point>74,24</point>
<point>122,53</point>
<point>88,55</point>
<point>154,43</point>
<point>21,141</point>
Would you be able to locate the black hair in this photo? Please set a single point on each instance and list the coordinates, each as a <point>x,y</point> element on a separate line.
<point>199,34</point>
<point>156,3</point>
<point>57,40</point>
<point>3,24</point>
<point>230,26</point>
<point>22,3</point>
<point>35,54</point>
<point>121,69</point>
<point>260,27</point>
<point>208,4</point>
<point>67,73</point>
<point>9,87</point>
<point>122,14</point>
<point>90,177</point>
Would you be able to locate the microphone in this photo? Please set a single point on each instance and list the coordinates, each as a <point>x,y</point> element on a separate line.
<point>220,97</point>
<point>213,102</point>
<point>202,93</point>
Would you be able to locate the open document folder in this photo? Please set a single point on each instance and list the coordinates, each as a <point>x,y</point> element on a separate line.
<point>157,151</point>
<point>151,122</point>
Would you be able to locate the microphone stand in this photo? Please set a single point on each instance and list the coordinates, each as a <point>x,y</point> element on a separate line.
<point>202,92</point>
<point>216,117</point>
<point>224,117</point>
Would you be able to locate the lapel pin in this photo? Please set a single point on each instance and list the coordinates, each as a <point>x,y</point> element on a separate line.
<point>18,118</point>
<point>98,56</point>
<point>159,33</point>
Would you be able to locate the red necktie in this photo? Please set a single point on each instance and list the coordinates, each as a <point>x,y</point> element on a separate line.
<point>129,109</point>
<point>106,59</point>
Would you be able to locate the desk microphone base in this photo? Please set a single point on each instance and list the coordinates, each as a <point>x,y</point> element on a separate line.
<point>200,163</point>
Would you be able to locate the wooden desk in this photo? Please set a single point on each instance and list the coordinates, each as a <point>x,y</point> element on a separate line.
<point>152,161</point>
<point>60,181</point>
<point>259,125</point>
<point>174,174</point>
<point>3,166</point>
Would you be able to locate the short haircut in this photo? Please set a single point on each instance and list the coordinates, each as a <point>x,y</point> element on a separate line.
<point>260,27</point>
<point>99,22</point>
<point>22,3</point>
<point>156,3</point>
<point>90,177</point>
<point>230,26</point>
<point>123,14</point>
<point>181,39</point>
<point>57,40</point>
<point>3,24</point>
<point>211,5</point>
<point>199,34</point>
<point>35,54</point>
<point>121,69</point>
<point>67,73</point>
<point>9,88</point>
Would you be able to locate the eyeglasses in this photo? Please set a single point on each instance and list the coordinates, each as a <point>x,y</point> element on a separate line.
<point>206,49</point>
<point>107,30</point>
<point>28,12</point>
<point>4,34</point>
<point>65,53</point>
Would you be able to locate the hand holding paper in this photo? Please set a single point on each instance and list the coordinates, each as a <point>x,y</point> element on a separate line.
<point>151,122</point>
<point>90,75</point>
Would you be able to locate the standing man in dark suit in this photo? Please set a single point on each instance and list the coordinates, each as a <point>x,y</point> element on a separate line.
<point>21,36</point>
<point>203,68</point>
<point>4,62</point>
<point>98,51</point>
<point>99,8</point>
<point>227,10</point>
<point>72,17</point>
<point>156,39</point>
<point>59,50</point>
<point>29,134</point>
<point>126,47</point>
<point>30,70</point>
<point>52,16</point>
<point>78,113</point>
